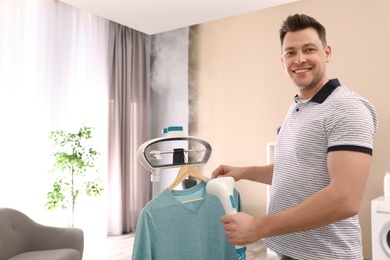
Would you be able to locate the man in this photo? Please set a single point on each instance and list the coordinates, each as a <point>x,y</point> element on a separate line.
<point>322,159</point>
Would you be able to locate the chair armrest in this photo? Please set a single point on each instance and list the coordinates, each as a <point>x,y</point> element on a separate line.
<point>47,238</point>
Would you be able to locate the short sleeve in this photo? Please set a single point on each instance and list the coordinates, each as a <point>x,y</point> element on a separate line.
<point>352,125</point>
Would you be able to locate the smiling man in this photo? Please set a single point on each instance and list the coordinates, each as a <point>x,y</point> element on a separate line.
<point>304,57</point>
<point>321,162</point>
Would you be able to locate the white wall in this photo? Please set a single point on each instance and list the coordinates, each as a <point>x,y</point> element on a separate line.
<point>244,94</point>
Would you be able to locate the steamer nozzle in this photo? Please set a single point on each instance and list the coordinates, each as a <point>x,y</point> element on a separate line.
<point>222,188</point>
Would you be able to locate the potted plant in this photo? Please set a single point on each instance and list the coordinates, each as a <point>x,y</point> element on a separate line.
<point>74,169</point>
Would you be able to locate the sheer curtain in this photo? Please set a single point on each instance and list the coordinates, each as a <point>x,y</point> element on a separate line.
<point>53,75</point>
<point>129,126</point>
<point>58,70</point>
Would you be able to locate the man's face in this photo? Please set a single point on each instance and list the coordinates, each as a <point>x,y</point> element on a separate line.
<point>304,59</point>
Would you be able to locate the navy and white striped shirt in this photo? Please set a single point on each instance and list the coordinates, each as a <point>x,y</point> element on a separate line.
<point>336,118</point>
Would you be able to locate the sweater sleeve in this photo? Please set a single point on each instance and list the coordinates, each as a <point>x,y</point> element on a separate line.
<point>143,242</point>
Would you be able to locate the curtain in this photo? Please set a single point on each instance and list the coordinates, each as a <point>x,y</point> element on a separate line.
<point>59,65</point>
<point>53,75</point>
<point>129,126</point>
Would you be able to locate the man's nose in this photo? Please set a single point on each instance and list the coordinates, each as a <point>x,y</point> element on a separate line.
<point>300,58</point>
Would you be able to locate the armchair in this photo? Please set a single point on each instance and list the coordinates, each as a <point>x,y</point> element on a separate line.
<point>23,239</point>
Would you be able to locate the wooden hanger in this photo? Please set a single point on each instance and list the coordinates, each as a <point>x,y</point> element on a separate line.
<point>185,172</point>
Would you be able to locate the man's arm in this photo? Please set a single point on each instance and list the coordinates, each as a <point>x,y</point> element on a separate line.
<point>262,174</point>
<point>348,172</point>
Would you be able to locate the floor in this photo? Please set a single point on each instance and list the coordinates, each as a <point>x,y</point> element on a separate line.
<point>120,248</point>
<point>110,248</point>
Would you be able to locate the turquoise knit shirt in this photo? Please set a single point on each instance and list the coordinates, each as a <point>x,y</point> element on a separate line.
<point>170,230</point>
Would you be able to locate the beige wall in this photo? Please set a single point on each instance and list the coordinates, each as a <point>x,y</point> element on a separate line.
<point>243,93</point>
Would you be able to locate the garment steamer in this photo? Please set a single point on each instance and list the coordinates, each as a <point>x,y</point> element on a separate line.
<point>222,188</point>
<point>186,150</point>
<point>173,150</point>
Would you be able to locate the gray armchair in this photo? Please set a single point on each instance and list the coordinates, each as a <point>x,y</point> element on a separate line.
<point>23,239</point>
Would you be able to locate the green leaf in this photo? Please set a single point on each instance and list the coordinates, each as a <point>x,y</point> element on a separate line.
<point>74,158</point>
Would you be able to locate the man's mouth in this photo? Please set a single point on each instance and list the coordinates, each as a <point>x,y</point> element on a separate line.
<point>298,71</point>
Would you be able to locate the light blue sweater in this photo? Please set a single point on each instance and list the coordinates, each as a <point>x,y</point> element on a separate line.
<point>170,230</point>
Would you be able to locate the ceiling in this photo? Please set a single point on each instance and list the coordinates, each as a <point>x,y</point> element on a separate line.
<point>156,16</point>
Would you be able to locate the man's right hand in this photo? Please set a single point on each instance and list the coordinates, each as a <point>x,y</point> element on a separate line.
<point>226,170</point>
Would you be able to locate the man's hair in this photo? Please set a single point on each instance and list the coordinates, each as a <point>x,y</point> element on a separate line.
<point>299,22</point>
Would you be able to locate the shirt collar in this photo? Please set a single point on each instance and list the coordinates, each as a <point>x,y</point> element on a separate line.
<point>324,92</point>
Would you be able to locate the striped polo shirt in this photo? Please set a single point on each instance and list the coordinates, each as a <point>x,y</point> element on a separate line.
<point>336,118</point>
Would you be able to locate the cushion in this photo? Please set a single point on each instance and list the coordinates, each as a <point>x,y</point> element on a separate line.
<point>58,254</point>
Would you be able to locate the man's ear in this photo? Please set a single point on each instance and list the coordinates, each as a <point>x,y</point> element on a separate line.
<point>281,60</point>
<point>328,53</point>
